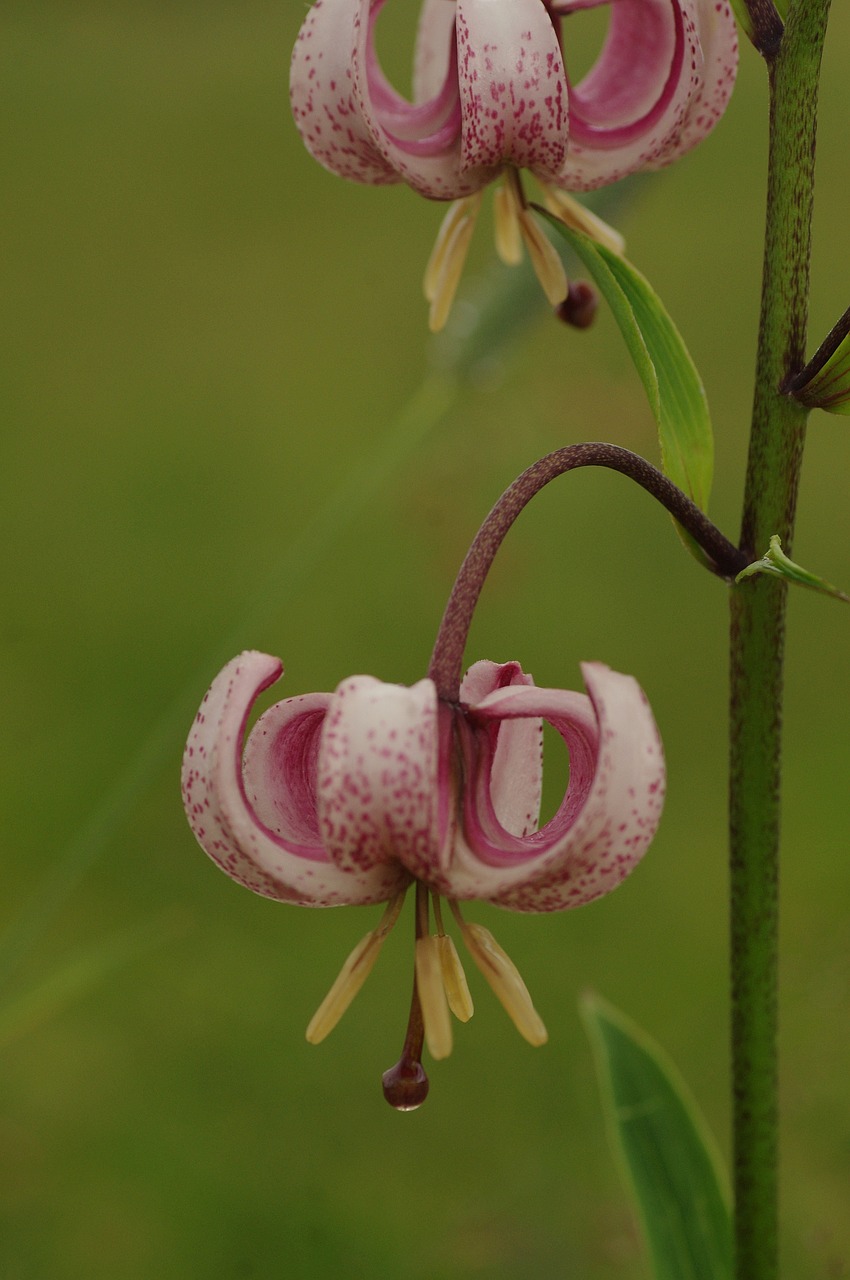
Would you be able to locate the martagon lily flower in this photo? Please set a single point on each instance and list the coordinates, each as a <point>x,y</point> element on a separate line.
<point>492,95</point>
<point>352,797</point>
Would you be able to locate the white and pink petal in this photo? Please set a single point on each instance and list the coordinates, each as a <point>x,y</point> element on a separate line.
<point>598,843</point>
<point>718,38</point>
<point>322,93</point>
<point>377,776</point>
<point>419,140</point>
<point>609,812</point>
<point>291,867</point>
<point>516,773</point>
<point>635,97</point>
<point>513,88</point>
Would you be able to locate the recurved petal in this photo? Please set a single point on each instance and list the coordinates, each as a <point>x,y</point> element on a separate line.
<point>321,89</point>
<point>589,848</point>
<point>632,103</point>
<point>606,819</point>
<point>377,776</point>
<point>435,48</point>
<point>718,38</point>
<point>420,140</point>
<point>513,87</point>
<point>516,771</point>
<point>283,859</point>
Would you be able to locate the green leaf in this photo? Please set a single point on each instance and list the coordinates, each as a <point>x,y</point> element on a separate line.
<point>671,1164</point>
<point>673,386</point>
<point>775,562</point>
<point>825,381</point>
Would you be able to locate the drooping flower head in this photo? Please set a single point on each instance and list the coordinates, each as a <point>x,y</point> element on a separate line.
<point>353,797</point>
<point>492,95</point>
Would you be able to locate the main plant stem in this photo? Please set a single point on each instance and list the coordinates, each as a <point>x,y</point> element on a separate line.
<point>757,637</point>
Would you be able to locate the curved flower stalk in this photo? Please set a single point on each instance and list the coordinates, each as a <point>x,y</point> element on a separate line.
<point>350,797</point>
<point>492,95</point>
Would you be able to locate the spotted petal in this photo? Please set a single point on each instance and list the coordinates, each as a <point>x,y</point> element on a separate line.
<point>420,140</point>
<point>321,90</point>
<point>261,826</point>
<point>606,819</point>
<point>377,776</point>
<point>718,37</point>
<point>513,87</point>
<point>660,83</point>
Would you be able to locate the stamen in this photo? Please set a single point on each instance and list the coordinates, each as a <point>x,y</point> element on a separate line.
<point>580,218</point>
<point>506,209</point>
<point>454,980</point>
<point>544,258</point>
<point>353,974</point>
<point>445,266</point>
<point>504,978</point>
<point>432,997</point>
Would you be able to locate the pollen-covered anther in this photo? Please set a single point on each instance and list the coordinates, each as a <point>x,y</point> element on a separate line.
<point>432,997</point>
<point>454,980</point>
<point>352,975</point>
<point>504,978</point>
<point>545,258</point>
<point>515,225</point>
<point>506,228</point>
<point>445,266</point>
<point>578,217</point>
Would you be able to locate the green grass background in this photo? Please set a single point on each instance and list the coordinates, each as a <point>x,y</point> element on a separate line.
<point>206,338</point>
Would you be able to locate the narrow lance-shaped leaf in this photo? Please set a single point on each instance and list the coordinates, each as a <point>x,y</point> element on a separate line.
<point>668,1154</point>
<point>672,384</point>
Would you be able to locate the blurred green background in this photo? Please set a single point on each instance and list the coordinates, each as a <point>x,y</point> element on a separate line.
<point>208,348</point>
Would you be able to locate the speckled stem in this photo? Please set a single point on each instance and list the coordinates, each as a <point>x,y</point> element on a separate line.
<point>447,659</point>
<point>757,633</point>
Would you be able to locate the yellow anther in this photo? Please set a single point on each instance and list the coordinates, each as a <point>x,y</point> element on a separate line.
<point>544,258</point>
<point>432,998</point>
<point>579,217</point>
<point>506,208</point>
<point>504,978</point>
<point>352,975</point>
<point>454,980</point>
<point>445,266</point>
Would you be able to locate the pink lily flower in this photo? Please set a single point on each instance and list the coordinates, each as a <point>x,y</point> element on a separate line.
<point>492,95</point>
<point>350,797</point>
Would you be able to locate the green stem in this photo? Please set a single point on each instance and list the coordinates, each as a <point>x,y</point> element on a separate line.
<point>757,635</point>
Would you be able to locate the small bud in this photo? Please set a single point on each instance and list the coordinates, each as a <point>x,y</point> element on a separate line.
<point>580,305</point>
